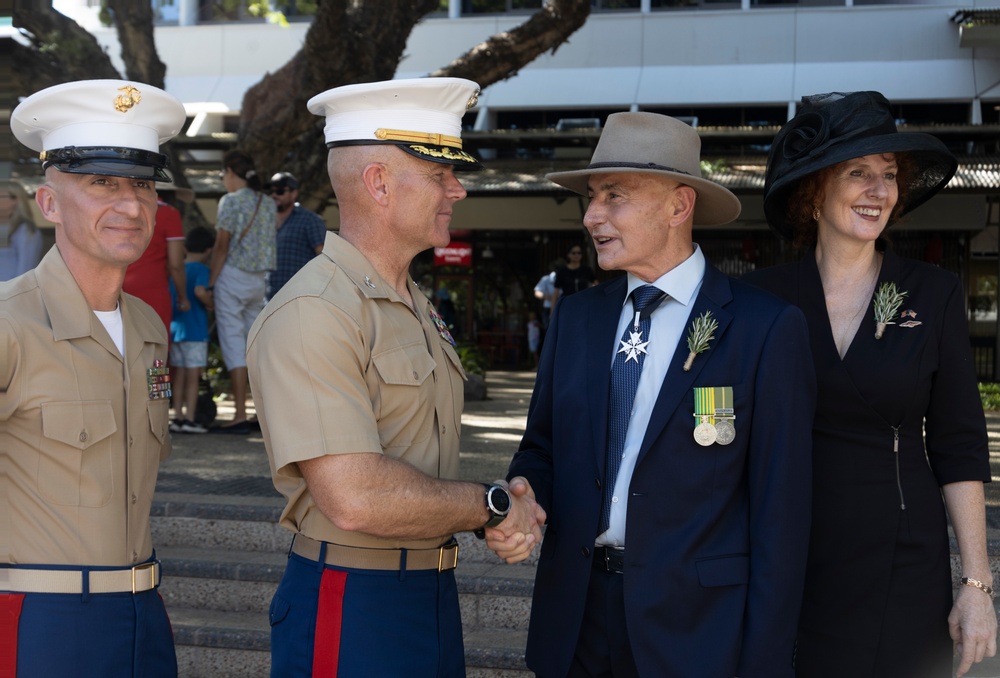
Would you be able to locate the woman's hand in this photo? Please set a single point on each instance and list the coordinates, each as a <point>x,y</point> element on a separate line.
<point>973,626</point>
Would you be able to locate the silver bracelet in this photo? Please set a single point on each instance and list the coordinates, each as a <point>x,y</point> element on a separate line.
<point>988,590</point>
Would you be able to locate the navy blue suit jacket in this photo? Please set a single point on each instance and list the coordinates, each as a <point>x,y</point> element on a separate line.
<point>716,537</point>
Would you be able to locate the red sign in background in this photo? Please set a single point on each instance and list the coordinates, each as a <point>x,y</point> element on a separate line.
<point>455,254</point>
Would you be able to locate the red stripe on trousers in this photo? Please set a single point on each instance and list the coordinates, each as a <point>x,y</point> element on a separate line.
<point>329,617</point>
<point>10,613</point>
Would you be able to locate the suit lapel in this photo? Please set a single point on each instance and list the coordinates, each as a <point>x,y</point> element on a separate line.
<point>601,328</point>
<point>715,293</point>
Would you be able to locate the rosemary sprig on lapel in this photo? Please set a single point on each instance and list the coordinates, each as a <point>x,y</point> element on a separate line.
<point>701,332</point>
<point>888,299</point>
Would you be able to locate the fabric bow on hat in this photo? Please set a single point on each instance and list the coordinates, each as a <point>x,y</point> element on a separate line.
<point>834,127</point>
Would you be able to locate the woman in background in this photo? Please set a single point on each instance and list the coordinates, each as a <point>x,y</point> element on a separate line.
<point>20,239</point>
<point>245,249</point>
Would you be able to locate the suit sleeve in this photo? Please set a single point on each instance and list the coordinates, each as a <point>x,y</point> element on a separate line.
<point>533,459</point>
<point>779,470</point>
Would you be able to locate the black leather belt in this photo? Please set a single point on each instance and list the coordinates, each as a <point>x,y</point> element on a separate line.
<point>609,559</point>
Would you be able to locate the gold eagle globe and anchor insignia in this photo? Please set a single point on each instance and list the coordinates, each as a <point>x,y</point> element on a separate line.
<point>473,100</point>
<point>125,102</point>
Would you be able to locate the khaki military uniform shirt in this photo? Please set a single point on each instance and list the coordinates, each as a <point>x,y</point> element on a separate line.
<point>340,364</point>
<point>80,438</point>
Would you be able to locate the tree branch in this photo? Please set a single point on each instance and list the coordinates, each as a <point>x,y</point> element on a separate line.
<point>504,54</point>
<point>134,23</point>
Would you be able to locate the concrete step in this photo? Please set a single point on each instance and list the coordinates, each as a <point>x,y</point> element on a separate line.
<point>218,644</point>
<point>242,524</point>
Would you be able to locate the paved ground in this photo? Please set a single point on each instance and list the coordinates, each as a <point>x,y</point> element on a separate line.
<point>235,468</point>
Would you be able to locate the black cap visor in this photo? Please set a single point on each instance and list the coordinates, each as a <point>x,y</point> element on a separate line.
<point>130,163</point>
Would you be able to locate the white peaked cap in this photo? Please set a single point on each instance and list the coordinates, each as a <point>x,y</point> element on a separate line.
<point>423,116</point>
<point>112,127</point>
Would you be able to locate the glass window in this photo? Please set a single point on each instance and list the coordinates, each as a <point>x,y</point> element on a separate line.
<point>248,10</point>
<point>166,11</point>
<point>609,5</point>
<point>497,6</point>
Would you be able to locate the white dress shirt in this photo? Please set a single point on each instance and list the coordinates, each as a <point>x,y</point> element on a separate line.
<point>668,324</point>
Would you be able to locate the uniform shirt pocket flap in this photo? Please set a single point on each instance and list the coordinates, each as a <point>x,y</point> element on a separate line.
<point>724,571</point>
<point>78,424</point>
<point>455,360</point>
<point>404,365</point>
<point>158,415</point>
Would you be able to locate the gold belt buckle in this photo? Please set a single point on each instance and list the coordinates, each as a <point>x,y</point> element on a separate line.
<point>152,575</point>
<point>451,562</point>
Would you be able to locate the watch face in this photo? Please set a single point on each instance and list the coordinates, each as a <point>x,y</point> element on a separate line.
<point>499,500</point>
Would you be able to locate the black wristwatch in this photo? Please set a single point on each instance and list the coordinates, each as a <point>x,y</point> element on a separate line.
<point>497,500</point>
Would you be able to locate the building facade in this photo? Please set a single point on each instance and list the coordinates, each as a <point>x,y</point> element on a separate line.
<point>735,70</point>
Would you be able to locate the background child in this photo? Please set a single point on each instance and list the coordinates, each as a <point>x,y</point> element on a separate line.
<point>189,332</point>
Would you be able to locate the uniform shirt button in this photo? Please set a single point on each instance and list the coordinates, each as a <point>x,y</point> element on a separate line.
<point>130,441</point>
<point>444,429</point>
<point>83,436</point>
<point>614,500</point>
<point>585,552</point>
<point>414,375</point>
<point>135,556</point>
<point>134,498</point>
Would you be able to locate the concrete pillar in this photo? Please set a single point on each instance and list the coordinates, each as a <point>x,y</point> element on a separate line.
<point>187,12</point>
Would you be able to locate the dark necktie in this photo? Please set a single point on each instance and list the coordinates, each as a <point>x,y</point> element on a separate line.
<point>625,373</point>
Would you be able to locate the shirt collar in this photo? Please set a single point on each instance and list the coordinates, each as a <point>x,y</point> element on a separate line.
<point>681,282</point>
<point>70,314</point>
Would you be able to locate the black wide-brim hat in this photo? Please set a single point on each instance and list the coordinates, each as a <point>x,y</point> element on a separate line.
<point>831,128</point>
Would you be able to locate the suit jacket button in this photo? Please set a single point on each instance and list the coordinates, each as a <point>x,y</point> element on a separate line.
<point>597,481</point>
<point>585,551</point>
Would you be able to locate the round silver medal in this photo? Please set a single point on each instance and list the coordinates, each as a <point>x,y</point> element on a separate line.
<point>705,434</point>
<point>725,431</point>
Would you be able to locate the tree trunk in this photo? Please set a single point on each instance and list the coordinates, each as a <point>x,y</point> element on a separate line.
<point>349,41</point>
<point>59,51</point>
<point>134,23</point>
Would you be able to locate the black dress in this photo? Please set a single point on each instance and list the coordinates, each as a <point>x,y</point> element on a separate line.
<point>878,583</point>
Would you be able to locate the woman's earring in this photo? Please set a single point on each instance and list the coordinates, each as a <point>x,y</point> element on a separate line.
<point>816,214</point>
